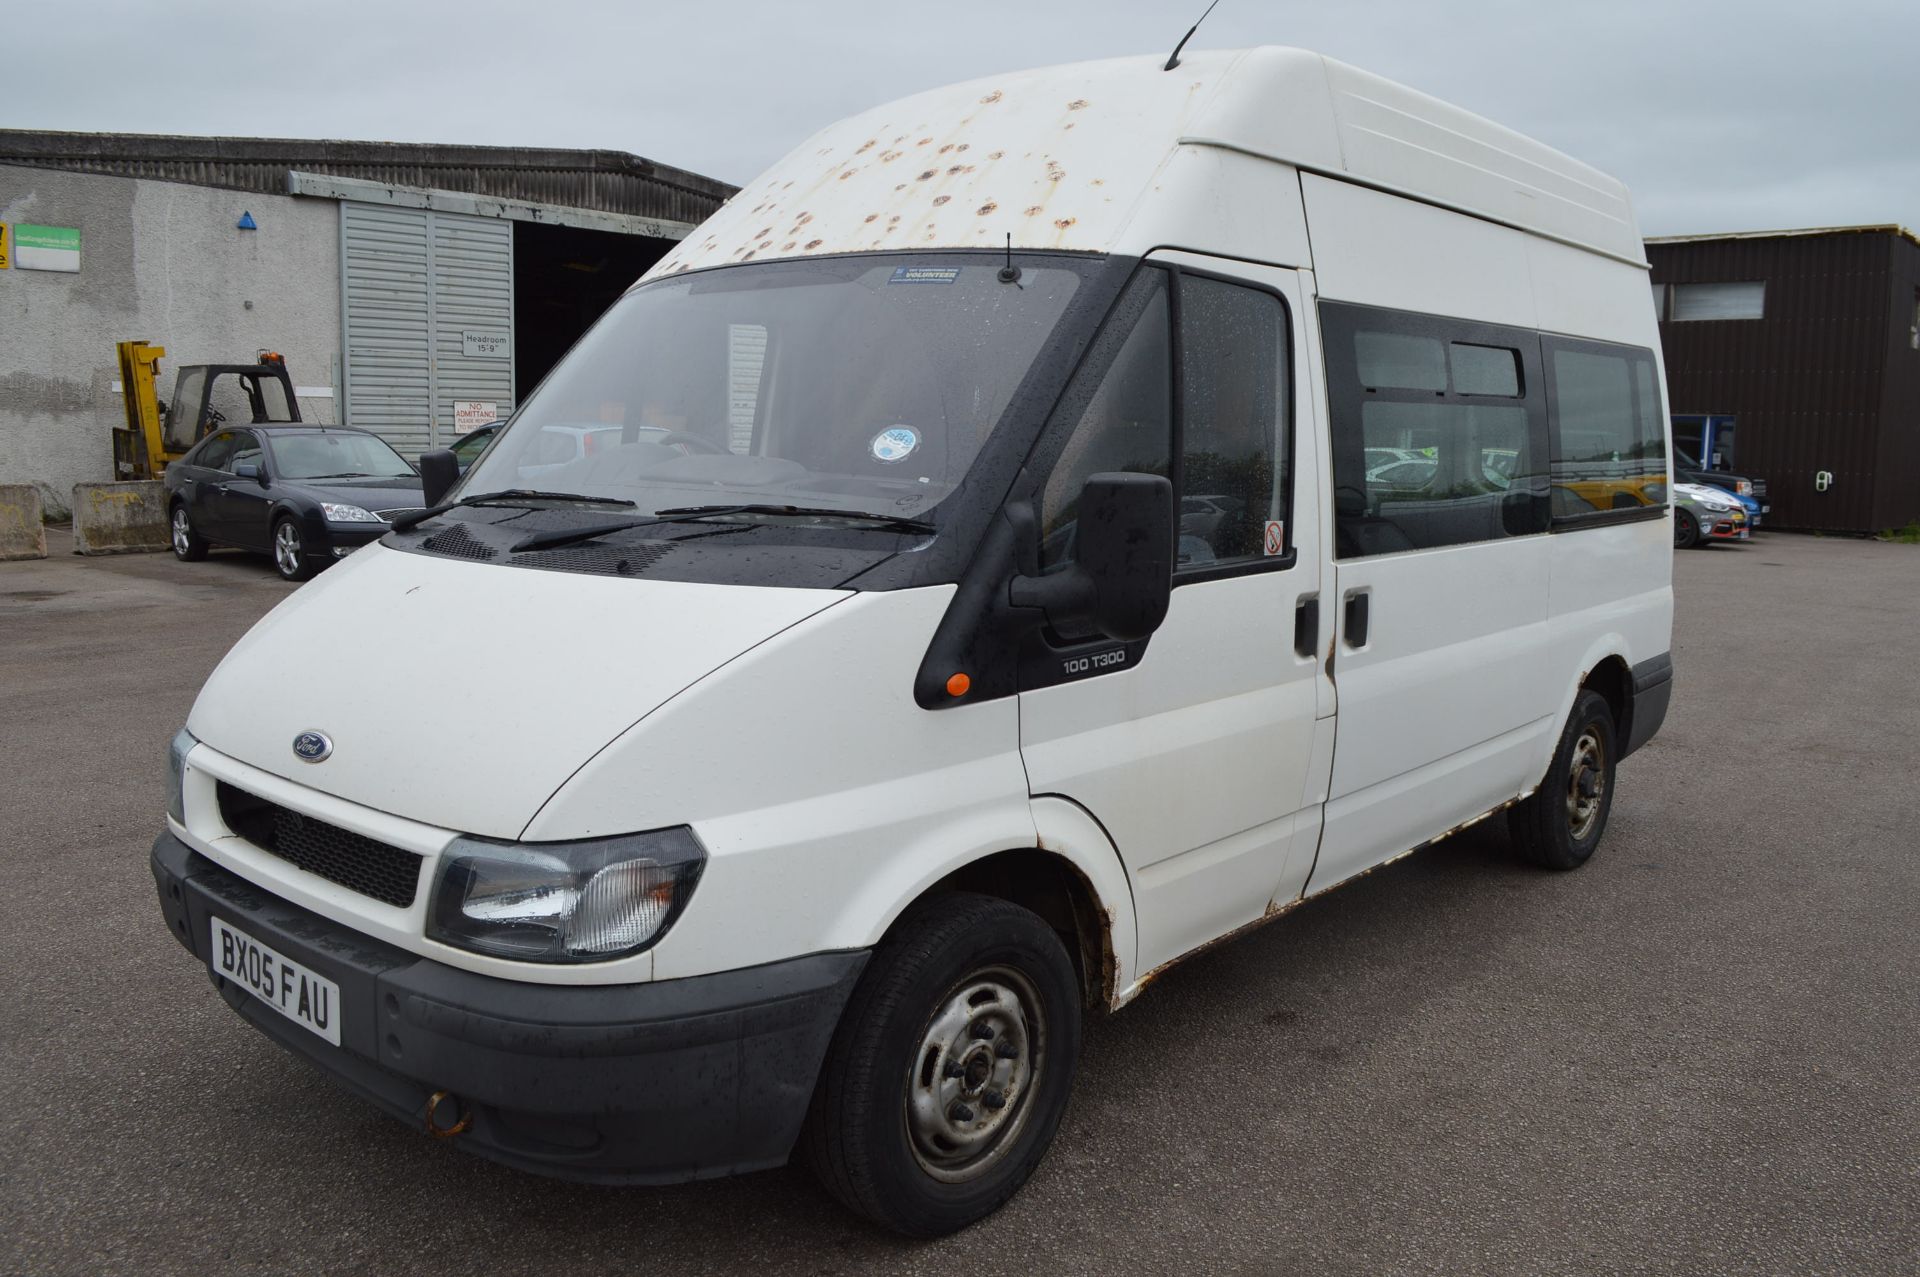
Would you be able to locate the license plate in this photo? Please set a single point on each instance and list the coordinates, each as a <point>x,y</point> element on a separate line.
<point>310,1000</point>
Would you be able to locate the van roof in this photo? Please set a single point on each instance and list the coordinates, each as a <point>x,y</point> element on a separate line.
<point>1064,157</point>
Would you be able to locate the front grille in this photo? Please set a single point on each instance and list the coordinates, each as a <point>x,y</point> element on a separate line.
<point>603,560</point>
<point>356,862</point>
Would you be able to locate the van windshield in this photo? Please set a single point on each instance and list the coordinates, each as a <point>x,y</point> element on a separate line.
<point>862,383</point>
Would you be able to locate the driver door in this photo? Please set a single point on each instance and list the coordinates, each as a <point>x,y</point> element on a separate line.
<point>1196,748</point>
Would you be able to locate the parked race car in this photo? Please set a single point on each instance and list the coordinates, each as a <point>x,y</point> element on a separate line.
<point>1702,514</point>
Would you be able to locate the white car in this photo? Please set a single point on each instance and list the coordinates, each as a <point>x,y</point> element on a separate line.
<point>825,760</point>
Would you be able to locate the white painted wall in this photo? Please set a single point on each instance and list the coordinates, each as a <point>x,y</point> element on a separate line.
<point>161,261</point>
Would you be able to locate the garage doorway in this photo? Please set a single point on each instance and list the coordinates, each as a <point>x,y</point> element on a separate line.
<point>564,278</point>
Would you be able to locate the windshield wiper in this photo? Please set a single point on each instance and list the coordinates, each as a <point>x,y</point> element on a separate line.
<point>692,513</point>
<point>506,496</point>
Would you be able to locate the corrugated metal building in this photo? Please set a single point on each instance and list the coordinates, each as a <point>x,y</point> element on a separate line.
<point>414,289</point>
<point>1810,341</point>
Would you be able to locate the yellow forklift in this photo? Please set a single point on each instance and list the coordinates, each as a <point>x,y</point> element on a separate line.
<point>205,397</point>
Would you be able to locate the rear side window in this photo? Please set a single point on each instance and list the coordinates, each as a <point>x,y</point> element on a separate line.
<point>1439,430</point>
<point>218,452</point>
<point>1609,447</point>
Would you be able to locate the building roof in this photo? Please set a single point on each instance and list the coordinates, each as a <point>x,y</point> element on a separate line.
<point>607,181</point>
<point>1888,228</point>
<point>1074,156</point>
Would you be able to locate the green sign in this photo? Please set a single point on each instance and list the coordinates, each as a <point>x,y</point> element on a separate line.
<point>46,248</point>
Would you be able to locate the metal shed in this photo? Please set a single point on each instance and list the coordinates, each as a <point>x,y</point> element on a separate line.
<point>1810,339</point>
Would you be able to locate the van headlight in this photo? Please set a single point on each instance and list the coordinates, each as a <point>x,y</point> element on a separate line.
<point>584,901</point>
<point>183,743</point>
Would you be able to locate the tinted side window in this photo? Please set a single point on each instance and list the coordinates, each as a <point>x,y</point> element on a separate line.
<point>1234,454</point>
<point>218,452</point>
<point>1125,421</point>
<point>1609,450</point>
<point>1439,430</point>
<point>246,447</point>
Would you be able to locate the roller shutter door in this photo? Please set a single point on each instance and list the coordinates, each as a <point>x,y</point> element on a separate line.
<point>427,306</point>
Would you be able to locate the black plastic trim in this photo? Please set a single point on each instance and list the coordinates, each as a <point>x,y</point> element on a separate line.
<point>1607,518</point>
<point>645,1083</point>
<point>1652,694</point>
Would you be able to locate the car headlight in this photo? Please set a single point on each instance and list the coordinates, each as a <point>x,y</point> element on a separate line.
<point>1718,507</point>
<point>183,741</point>
<point>585,901</point>
<point>335,513</point>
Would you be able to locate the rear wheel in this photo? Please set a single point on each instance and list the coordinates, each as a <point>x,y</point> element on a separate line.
<point>1686,530</point>
<point>290,552</point>
<point>951,1067</point>
<point>1560,825</point>
<point>188,546</point>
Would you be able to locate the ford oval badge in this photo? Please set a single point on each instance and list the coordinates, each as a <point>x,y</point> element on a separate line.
<point>312,747</point>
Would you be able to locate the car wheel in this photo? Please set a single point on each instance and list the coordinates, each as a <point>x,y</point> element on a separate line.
<point>188,546</point>
<point>1686,530</point>
<point>1560,824</point>
<point>289,552</point>
<point>950,1069</point>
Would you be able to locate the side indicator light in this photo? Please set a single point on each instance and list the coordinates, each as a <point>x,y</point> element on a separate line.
<point>959,685</point>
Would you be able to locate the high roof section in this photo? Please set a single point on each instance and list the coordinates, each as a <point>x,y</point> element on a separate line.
<point>606,181</point>
<point>1065,157</point>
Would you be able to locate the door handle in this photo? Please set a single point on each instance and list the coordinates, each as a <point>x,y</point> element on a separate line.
<point>1357,616</point>
<point>1306,626</point>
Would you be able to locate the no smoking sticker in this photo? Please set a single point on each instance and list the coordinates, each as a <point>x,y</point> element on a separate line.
<point>1276,542</point>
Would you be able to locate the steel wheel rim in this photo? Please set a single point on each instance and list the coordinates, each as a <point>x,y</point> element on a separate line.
<point>970,1083</point>
<point>286,549</point>
<point>182,531</point>
<point>1586,784</point>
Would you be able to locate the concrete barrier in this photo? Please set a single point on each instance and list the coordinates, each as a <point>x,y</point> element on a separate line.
<point>22,531</point>
<point>119,518</point>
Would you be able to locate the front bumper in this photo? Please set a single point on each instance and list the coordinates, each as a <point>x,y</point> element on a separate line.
<point>650,1083</point>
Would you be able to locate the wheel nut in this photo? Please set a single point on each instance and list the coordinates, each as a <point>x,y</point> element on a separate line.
<point>1007,1050</point>
<point>981,1030</point>
<point>994,1100</point>
<point>960,1113</point>
<point>953,1069</point>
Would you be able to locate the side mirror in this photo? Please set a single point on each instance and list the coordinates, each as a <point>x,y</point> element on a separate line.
<point>439,471</point>
<point>251,470</point>
<point>1121,579</point>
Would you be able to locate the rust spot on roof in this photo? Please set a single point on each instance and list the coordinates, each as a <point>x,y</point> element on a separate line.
<point>1054,171</point>
<point>995,155</point>
<point>803,219</point>
<point>901,187</point>
<point>888,157</point>
<point>872,217</point>
<point>1098,181</point>
<point>764,230</point>
<point>894,218</point>
<point>946,148</point>
<point>1035,211</point>
<point>844,176</point>
<point>963,146</point>
<point>991,98</point>
<point>868,145</point>
<point>924,176</point>
<point>1063,222</point>
<point>787,247</point>
<point>938,200</point>
<point>1078,104</point>
<point>814,243</point>
<point>955,169</point>
<point>987,207</point>
<point>925,141</point>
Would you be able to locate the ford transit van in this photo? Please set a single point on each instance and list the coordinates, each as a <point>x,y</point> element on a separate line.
<point>993,595</point>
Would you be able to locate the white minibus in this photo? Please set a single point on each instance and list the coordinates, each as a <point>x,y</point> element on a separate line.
<point>1056,522</point>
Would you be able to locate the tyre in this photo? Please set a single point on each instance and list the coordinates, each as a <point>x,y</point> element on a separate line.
<point>1686,530</point>
<point>290,552</point>
<point>950,1069</point>
<point>1560,825</point>
<point>188,546</point>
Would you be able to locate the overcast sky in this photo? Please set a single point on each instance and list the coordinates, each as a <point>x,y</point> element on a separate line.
<point>1719,116</point>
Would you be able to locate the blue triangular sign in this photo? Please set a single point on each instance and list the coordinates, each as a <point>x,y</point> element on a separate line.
<point>247,223</point>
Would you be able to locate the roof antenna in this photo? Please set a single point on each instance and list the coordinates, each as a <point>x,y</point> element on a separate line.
<point>1010,274</point>
<point>1173,59</point>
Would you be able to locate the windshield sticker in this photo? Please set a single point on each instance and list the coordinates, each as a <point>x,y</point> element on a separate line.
<point>895,443</point>
<point>924,275</point>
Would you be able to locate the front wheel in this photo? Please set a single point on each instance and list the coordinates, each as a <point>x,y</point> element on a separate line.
<point>290,552</point>
<point>950,1069</point>
<point>1686,530</point>
<point>1560,825</point>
